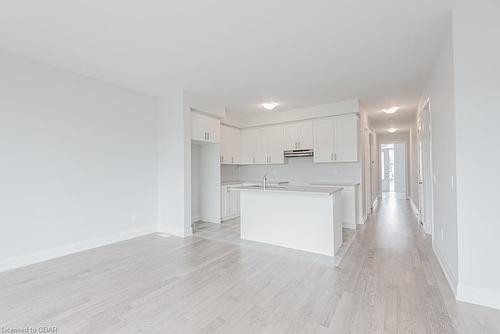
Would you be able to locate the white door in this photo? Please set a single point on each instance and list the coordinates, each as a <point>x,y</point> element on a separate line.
<point>213,129</point>
<point>198,128</point>
<point>421,206</point>
<point>235,146</point>
<point>290,136</point>
<point>346,143</point>
<point>263,140</point>
<point>305,136</point>
<point>275,151</point>
<point>249,146</point>
<point>385,170</point>
<point>400,167</point>
<point>225,144</point>
<point>324,141</point>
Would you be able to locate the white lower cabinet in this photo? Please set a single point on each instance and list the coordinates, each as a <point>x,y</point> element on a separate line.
<point>351,203</point>
<point>230,202</point>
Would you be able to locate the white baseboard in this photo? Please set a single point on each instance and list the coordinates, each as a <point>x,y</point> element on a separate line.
<point>349,225</point>
<point>479,296</point>
<point>55,252</point>
<point>195,218</point>
<point>229,217</point>
<point>450,278</point>
<point>414,207</point>
<point>174,231</point>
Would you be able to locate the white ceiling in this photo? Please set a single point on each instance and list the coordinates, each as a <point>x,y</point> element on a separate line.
<point>299,53</point>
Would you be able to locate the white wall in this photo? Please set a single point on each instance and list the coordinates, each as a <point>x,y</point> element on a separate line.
<point>476,31</point>
<point>195,182</point>
<point>78,162</point>
<point>303,171</point>
<point>174,171</point>
<point>441,93</point>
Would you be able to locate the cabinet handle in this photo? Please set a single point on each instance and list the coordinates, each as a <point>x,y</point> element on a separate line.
<point>335,156</point>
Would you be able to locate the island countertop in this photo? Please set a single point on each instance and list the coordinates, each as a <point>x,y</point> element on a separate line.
<point>293,189</point>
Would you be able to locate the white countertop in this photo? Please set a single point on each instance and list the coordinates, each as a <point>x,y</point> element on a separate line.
<point>293,189</point>
<point>335,184</point>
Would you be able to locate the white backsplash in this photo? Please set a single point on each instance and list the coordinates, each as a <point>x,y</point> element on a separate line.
<point>297,171</point>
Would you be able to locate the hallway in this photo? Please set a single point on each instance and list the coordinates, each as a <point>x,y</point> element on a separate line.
<point>389,282</point>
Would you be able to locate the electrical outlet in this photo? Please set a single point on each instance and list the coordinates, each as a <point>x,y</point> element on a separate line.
<point>442,235</point>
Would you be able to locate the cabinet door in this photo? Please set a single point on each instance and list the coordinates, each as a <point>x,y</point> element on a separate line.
<point>213,129</point>
<point>248,146</point>
<point>305,136</point>
<point>346,138</point>
<point>275,146</point>
<point>235,199</point>
<point>223,205</point>
<point>263,141</point>
<point>225,144</point>
<point>198,127</point>
<point>235,146</point>
<point>324,141</point>
<point>290,137</point>
<point>229,202</point>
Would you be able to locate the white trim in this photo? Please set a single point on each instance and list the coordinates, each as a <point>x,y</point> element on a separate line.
<point>375,202</point>
<point>414,207</point>
<point>478,296</point>
<point>55,252</point>
<point>450,278</point>
<point>230,217</point>
<point>178,232</point>
<point>195,218</point>
<point>351,226</point>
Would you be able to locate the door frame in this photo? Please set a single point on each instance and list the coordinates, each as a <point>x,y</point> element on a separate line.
<point>428,182</point>
<point>407,163</point>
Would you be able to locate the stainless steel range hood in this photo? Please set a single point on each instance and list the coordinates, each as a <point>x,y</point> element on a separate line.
<point>298,153</point>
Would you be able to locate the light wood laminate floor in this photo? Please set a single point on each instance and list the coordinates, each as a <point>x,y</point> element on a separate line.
<point>388,282</point>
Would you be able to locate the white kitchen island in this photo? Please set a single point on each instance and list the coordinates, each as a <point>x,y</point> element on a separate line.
<point>303,218</point>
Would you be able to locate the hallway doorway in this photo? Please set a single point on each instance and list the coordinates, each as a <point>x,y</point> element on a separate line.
<point>393,167</point>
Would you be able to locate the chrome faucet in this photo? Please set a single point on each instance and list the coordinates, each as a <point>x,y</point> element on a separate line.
<point>264,182</point>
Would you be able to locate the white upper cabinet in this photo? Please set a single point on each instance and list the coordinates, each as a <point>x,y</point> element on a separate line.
<point>249,148</point>
<point>298,136</point>
<point>336,140</point>
<point>230,145</point>
<point>270,145</point>
<point>205,128</point>
<point>324,140</point>
<point>346,138</point>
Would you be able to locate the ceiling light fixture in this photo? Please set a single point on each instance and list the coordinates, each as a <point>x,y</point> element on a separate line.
<point>392,130</point>
<point>269,105</point>
<point>391,110</point>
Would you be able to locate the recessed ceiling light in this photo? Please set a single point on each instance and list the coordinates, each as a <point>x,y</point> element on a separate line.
<point>390,110</point>
<point>269,105</point>
<point>392,130</point>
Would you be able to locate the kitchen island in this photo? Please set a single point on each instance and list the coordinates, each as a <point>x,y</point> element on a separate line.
<point>300,217</point>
